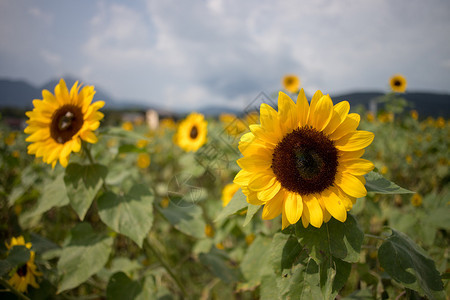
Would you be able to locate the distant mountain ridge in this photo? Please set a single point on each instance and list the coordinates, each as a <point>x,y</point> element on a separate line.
<point>19,94</point>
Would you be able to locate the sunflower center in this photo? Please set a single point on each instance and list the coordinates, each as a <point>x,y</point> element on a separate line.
<point>194,132</point>
<point>289,81</point>
<point>66,122</point>
<point>305,161</point>
<point>397,83</point>
<point>22,271</point>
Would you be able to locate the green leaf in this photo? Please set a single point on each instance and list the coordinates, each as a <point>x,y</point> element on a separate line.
<point>85,254</point>
<point>131,214</point>
<point>218,264</point>
<point>341,240</point>
<point>408,264</point>
<point>285,252</point>
<point>54,195</point>
<point>188,219</point>
<point>251,211</point>
<point>236,203</point>
<point>255,263</point>
<point>127,148</point>
<point>17,256</point>
<point>375,182</point>
<point>82,184</point>
<point>121,287</point>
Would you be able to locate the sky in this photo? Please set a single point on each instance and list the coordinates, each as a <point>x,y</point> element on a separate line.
<point>191,54</point>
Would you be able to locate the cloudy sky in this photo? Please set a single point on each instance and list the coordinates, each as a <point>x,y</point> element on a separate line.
<point>187,54</point>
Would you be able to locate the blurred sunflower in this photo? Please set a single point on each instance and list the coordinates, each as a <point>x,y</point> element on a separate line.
<point>398,83</point>
<point>143,160</point>
<point>228,192</point>
<point>304,160</point>
<point>191,133</point>
<point>59,122</point>
<point>291,83</point>
<point>26,274</point>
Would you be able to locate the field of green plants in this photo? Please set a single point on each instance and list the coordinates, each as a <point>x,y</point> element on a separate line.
<point>135,216</point>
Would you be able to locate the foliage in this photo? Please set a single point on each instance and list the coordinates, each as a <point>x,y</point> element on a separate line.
<point>104,227</point>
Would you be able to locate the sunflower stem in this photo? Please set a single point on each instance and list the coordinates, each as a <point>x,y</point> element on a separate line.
<point>12,289</point>
<point>91,160</point>
<point>149,248</point>
<point>374,237</point>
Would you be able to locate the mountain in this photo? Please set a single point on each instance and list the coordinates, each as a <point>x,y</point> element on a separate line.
<point>19,94</point>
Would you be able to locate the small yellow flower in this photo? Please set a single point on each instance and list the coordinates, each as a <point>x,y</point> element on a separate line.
<point>11,139</point>
<point>416,200</point>
<point>408,159</point>
<point>128,126</point>
<point>414,114</point>
<point>59,122</point>
<point>164,202</point>
<point>141,143</point>
<point>220,246</point>
<point>228,192</point>
<point>440,122</point>
<point>26,274</point>
<point>143,160</point>
<point>209,231</point>
<point>386,117</point>
<point>192,132</point>
<point>398,83</point>
<point>249,238</point>
<point>291,83</point>
<point>15,154</point>
<point>370,117</point>
<point>384,170</point>
<point>167,123</point>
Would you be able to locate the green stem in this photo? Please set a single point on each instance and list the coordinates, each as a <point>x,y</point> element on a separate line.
<point>12,289</point>
<point>88,152</point>
<point>374,237</point>
<point>91,160</point>
<point>148,247</point>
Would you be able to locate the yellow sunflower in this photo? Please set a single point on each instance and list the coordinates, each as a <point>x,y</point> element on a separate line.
<point>304,161</point>
<point>143,160</point>
<point>398,83</point>
<point>228,192</point>
<point>191,133</point>
<point>26,274</point>
<point>291,83</point>
<point>59,122</point>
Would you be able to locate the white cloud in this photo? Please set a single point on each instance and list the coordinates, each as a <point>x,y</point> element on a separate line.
<point>42,16</point>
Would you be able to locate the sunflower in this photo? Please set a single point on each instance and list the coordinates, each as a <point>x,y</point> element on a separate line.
<point>304,161</point>
<point>59,122</point>
<point>143,160</point>
<point>291,83</point>
<point>191,133</point>
<point>26,274</point>
<point>398,83</point>
<point>228,192</point>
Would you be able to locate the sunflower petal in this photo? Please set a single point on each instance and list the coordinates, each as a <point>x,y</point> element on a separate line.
<point>261,181</point>
<point>350,184</point>
<point>270,192</point>
<point>287,112</point>
<point>293,207</point>
<point>302,108</point>
<point>322,113</point>
<point>357,166</point>
<point>254,163</point>
<point>355,140</point>
<point>273,207</point>
<point>243,177</point>
<point>315,212</point>
<point>334,205</point>
<point>348,125</point>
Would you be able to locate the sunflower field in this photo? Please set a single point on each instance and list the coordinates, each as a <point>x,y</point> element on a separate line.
<point>298,197</point>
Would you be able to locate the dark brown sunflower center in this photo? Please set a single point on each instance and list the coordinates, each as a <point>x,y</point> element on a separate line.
<point>194,132</point>
<point>305,161</point>
<point>397,83</point>
<point>66,122</point>
<point>22,271</point>
<point>289,81</point>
